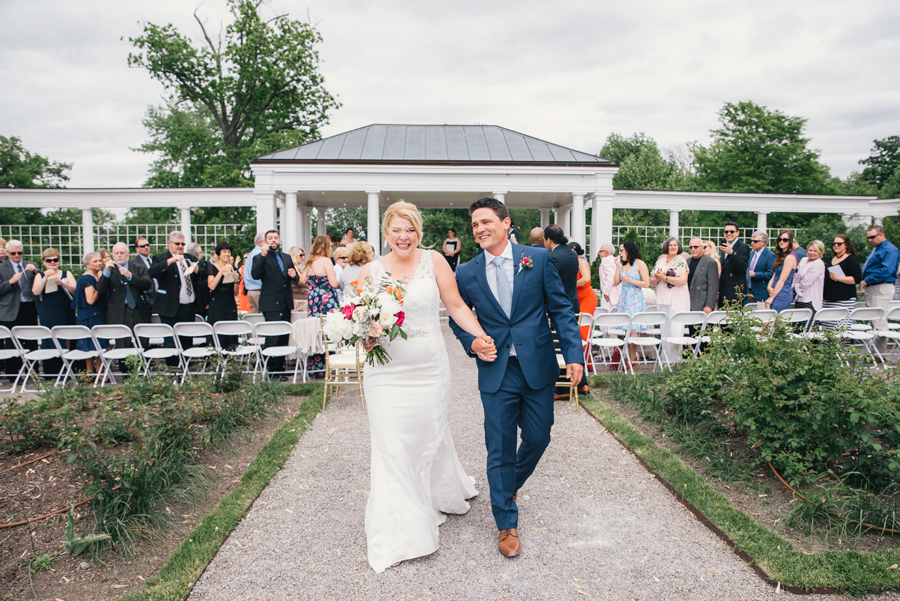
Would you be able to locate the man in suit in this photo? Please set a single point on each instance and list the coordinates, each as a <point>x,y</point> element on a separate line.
<point>735,256</point>
<point>536,237</point>
<point>565,260</point>
<point>176,273</point>
<point>142,248</point>
<point>126,282</point>
<point>275,271</point>
<point>18,306</point>
<point>202,283</point>
<point>703,278</point>
<point>251,284</point>
<point>760,268</point>
<point>513,297</point>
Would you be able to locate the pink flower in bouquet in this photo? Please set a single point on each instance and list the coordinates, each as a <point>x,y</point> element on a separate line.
<point>348,311</point>
<point>376,330</point>
<point>400,317</point>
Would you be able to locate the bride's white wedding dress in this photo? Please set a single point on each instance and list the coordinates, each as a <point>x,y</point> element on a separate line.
<point>416,476</point>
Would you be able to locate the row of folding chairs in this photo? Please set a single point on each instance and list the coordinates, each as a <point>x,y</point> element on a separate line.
<point>241,340</point>
<point>655,334</point>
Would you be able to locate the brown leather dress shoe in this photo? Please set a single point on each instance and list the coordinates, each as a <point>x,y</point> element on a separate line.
<point>561,397</point>
<point>516,496</point>
<point>584,389</point>
<point>509,542</point>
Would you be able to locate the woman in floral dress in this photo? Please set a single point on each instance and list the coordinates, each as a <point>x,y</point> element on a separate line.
<point>323,298</point>
<point>634,276</point>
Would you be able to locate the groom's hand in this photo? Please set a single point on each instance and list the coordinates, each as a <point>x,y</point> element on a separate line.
<point>574,371</point>
<point>483,346</point>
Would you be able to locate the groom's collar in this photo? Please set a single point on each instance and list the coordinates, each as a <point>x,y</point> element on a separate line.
<point>506,254</point>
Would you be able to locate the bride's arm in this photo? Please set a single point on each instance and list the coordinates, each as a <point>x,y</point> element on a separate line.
<point>457,309</point>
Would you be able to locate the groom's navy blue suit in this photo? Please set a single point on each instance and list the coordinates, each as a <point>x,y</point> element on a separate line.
<point>518,391</point>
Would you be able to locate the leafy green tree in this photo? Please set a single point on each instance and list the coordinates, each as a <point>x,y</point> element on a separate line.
<point>760,151</point>
<point>251,91</point>
<point>882,162</point>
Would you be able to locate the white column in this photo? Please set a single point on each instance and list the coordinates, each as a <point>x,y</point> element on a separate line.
<point>501,196</point>
<point>265,212</point>
<point>280,220</point>
<point>563,219</point>
<point>601,221</point>
<point>673,223</point>
<point>322,227</point>
<point>578,219</point>
<point>373,221</point>
<point>545,218</point>
<point>303,239</point>
<point>186,225</point>
<point>87,231</point>
<point>289,220</point>
<point>761,221</point>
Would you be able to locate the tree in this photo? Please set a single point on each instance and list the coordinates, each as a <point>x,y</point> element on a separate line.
<point>252,91</point>
<point>760,151</point>
<point>882,162</point>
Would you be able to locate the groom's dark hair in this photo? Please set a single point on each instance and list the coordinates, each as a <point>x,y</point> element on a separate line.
<point>490,203</point>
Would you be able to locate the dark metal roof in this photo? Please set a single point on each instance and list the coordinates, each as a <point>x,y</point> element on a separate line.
<point>484,144</point>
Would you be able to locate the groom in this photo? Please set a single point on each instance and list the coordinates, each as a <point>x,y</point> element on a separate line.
<point>513,289</point>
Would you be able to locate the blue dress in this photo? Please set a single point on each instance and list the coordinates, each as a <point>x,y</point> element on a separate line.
<point>88,315</point>
<point>786,296</point>
<point>631,299</point>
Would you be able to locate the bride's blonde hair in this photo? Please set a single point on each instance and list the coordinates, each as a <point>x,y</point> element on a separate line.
<point>404,210</point>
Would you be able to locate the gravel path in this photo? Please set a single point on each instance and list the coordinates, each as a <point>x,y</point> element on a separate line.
<point>592,522</point>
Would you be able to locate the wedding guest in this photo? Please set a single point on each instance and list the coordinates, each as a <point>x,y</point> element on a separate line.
<point>222,306</point>
<point>142,248</point>
<point>839,291</point>
<point>54,308</point>
<point>878,275</point>
<point>735,257</point>
<point>105,255</point>
<point>341,260</point>
<point>565,260</point>
<point>275,271</point>
<point>670,277</point>
<point>710,250</point>
<point>587,298</point>
<point>632,273</point>
<point>17,303</point>
<point>243,300</point>
<point>810,279</point>
<point>300,290</point>
<point>251,284</point>
<point>322,296</point>
<point>360,256</point>
<point>780,288</point>
<point>124,283</point>
<point>177,298</point>
<point>202,266</point>
<point>348,240</point>
<point>451,248</point>
<point>2,249</point>
<point>607,271</point>
<point>536,237</point>
<point>761,267</point>
<point>90,304</point>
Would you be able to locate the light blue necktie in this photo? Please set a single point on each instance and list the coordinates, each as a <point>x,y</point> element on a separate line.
<point>504,294</point>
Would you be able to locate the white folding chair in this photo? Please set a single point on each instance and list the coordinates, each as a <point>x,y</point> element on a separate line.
<point>869,317</point>
<point>38,334</point>
<point>890,333</point>
<point>6,338</point>
<point>247,348</point>
<point>254,318</point>
<point>826,319</point>
<point>766,316</point>
<point>271,329</point>
<point>715,319</point>
<point>797,317</point>
<point>677,336</point>
<point>161,332</point>
<point>62,335</point>
<point>605,338</point>
<point>655,323</point>
<point>342,366</point>
<point>116,337</point>
<point>586,320</point>
<point>198,330</point>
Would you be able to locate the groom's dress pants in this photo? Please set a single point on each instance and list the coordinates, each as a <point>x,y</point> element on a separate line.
<point>515,405</point>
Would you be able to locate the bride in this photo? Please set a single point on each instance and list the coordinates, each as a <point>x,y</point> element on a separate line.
<point>416,476</point>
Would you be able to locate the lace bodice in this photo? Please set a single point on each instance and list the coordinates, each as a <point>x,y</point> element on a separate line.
<point>421,303</point>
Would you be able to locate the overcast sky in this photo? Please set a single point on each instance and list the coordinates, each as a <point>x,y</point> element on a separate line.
<point>570,72</point>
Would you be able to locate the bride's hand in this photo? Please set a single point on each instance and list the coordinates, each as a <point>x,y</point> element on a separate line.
<point>369,344</point>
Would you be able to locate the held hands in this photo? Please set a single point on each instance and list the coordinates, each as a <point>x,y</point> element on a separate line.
<point>483,346</point>
<point>110,265</point>
<point>175,259</point>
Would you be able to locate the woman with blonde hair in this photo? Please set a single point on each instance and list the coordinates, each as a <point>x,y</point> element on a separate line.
<point>341,258</point>
<point>323,298</point>
<point>2,249</point>
<point>711,251</point>
<point>809,283</point>
<point>360,255</point>
<point>90,304</point>
<point>300,290</point>
<point>416,476</point>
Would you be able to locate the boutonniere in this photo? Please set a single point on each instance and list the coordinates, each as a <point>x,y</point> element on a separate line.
<point>524,263</point>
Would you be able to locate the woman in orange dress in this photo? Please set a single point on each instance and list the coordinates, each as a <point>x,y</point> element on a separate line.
<point>243,299</point>
<point>587,298</point>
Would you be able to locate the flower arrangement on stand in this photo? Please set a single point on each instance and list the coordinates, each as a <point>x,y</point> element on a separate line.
<point>373,311</point>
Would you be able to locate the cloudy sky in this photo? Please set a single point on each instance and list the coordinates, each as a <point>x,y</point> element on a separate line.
<point>570,72</point>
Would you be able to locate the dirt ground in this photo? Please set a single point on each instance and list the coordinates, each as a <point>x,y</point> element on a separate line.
<point>764,498</point>
<point>47,485</point>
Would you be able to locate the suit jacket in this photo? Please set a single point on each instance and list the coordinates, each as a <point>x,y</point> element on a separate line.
<point>758,284</point>
<point>149,295</point>
<point>566,262</point>
<point>203,285</point>
<point>537,293</point>
<point>167,297</point>
<point>734,273</point>
<point>115,286</point>
<point>10,293</point>
<point>704,287</point>
<point>275,295</point>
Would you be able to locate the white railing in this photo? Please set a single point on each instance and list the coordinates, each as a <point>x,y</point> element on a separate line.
<point>68,239</point>
<point>657,234</point>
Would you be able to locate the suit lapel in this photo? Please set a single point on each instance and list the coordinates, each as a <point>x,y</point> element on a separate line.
<point>518,280</point>
<point>478,264</point>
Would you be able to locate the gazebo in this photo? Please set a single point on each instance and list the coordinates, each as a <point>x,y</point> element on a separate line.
<point>432,166</point>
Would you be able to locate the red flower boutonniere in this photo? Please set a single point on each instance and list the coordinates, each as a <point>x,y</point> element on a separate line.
<point>524,263</point>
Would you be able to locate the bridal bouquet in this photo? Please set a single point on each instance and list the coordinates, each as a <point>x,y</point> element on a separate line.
<point>375,310</point>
